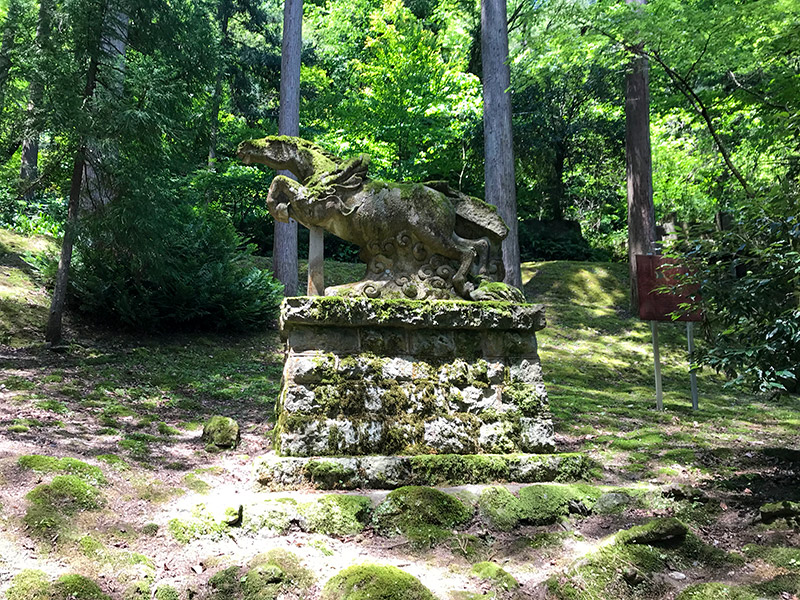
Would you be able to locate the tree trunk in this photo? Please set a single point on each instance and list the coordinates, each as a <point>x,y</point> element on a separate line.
<point>98,190</point>
<point>284,250</point>
<point>497,134</point>
<point>216,100</point>
<point>641,213</point>
<point>7,45</point>
<point>54,329</point>
<point>29,163</point>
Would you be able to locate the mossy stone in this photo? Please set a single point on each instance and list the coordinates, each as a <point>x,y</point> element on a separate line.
<point>221,433</point>
<point>375,582</point>
<point>330,475</point>
<point>139,590</point>
<point>543,504</point>
<point>30,584</point>
<point>500,508</point>
<point>77,587</point>
<point>496,574</point>
<point>424,515</point>
<point>657,531</point>
<point>295,574</point>
<point>225,584</point>
<point>336,514</point>
<point>51,503</point>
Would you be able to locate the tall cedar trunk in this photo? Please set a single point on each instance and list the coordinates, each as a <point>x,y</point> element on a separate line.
<point>284,249</point>
<point>97,189</point>
<point>58,303</point>
<point>7,44</point>
<point>498,141</point>
<point>29,163</point>
<point>639,166</point>
<point>641,213</point>
<point>216,100</point>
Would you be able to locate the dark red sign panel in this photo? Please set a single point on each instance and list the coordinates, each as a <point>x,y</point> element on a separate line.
<point>655,273</point>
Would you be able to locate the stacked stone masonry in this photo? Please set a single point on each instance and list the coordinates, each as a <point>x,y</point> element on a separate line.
<point>404,377</point>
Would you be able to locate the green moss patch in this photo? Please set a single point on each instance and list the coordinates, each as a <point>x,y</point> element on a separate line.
<point>715,591</point>
<point>788,558</point>
<point>330,475</point>
<point>77,587</point>
<point>29,584</point>
<point>72,466</point>
<point>496,574</point>
<point>51,503</point>
<point>500,508</point>
<point>375,582</point>
<point>337,514</point>
<point>543,504</point>
<point>264,578</point>
<point>220,433</point>
<point>167,592</point>
<point>201,524</point>
<point>626,569</point>
<point>424,515</point>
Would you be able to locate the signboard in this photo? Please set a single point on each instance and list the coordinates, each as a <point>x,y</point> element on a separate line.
<point>654,273</point>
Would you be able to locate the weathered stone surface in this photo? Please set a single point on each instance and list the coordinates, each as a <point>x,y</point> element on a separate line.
<point>611,502</point>
<point>412,314</point>
<point>389,472</point>
<point>419,393</point>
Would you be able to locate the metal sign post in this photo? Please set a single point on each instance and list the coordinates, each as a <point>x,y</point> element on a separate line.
<point>657,363</point>
<point>692,370</point>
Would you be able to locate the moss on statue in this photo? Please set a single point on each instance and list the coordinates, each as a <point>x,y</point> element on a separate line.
<point>375,582</point>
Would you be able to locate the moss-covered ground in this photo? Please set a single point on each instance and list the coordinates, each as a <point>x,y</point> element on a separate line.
<point>108,490</point>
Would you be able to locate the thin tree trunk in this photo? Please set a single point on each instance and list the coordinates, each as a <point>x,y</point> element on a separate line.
<point>7,45</point>
<point>29,164</point>
<point>641,212</point>
<point>216,100</point>
<point>498,141</point>
<point>284,250</point>
<point>53,333</point>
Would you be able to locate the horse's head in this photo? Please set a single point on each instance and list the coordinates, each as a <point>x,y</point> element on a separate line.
<point>277,152</point>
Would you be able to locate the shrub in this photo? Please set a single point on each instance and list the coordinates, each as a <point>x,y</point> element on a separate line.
<point>162,263</point>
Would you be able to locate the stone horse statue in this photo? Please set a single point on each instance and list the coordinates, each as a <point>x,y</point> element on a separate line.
<point>419,240</point>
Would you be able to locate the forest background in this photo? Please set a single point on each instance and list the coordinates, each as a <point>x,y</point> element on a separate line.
<point>149,99</point>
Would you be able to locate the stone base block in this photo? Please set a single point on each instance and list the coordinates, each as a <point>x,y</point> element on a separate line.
<point>411,377</point>
<point>390,472</point>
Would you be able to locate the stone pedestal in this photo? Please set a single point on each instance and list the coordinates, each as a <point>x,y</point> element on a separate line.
<point>404,377</point>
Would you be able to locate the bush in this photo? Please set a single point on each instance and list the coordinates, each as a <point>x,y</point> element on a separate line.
<point>749,278</point>
<point>154,262</point>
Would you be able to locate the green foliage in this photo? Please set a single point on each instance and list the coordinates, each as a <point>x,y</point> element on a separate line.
<point>151,260</point>
<point>748,280</point>
<point>373,582</point>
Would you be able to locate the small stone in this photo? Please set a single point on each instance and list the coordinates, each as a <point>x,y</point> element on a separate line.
<point>677,576</point>
<point>221,432</point>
